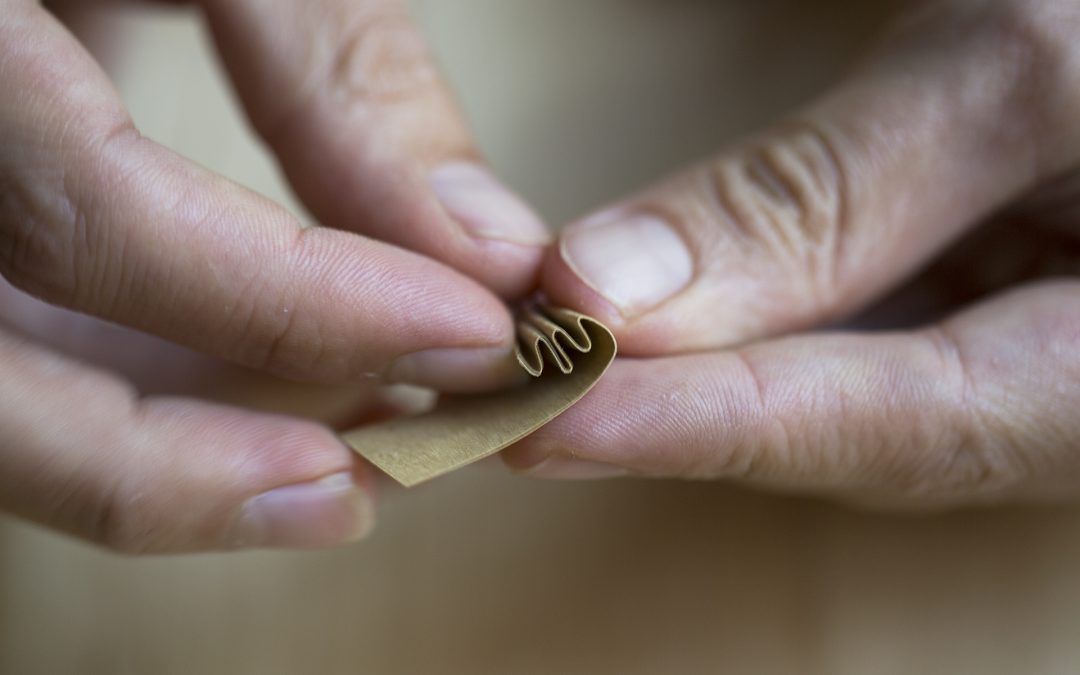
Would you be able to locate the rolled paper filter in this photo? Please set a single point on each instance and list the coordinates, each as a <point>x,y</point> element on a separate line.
<point>565,353</point>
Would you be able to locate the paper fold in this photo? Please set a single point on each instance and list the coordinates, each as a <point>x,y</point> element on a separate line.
<point>463,429</point>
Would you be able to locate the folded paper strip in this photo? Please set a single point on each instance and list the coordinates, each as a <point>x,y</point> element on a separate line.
<point>464,429</point>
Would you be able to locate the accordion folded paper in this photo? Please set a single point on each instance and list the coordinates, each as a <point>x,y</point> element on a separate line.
<point>565,352</point>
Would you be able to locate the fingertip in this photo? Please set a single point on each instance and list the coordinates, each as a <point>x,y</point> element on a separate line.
<point>458,370</point>
<point>636,261</point>
<point>329,511</point>
<point>562,284</point>
<point>524,455</point>
<point>380,303</point>
<point>505,238</point>
<point>274,449</point>
<point>511,271</point>
<point>243,480</point>
<point>305,489</point>
<point>485,207</point>
<point>537,456</point>
<point>558,467</point>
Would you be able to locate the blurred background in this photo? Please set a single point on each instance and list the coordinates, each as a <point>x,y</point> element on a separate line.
<point>483,572</point>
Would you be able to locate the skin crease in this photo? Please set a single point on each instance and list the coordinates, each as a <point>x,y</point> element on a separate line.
<point>805,225</point>
<point>111,226</point>
<point>953,136</point>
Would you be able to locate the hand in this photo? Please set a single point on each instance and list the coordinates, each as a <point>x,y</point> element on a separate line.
<point>99,220</point>
<point>965,116</point>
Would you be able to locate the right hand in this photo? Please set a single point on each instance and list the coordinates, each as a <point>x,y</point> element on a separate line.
<point>97,219</point>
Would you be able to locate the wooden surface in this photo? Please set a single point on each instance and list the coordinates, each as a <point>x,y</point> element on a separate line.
<point>483,572</point>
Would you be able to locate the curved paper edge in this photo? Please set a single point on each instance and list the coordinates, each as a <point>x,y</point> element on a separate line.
<point>464,429</point>
<point>551,332</point>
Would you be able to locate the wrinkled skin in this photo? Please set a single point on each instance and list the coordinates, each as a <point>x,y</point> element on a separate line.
<point>956,135</point>
<point>928,195</point>
<point>108,225</point>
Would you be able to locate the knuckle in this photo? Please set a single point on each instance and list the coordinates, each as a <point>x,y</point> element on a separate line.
<point>113,522</point>
<point>979,470</point>
<point>725,427</point>
<point>109,507</point>
<point>102,510</point>
<point>381,56</point>
<point>1042,86</point>
<point>1035,44</point>
<point>36,231</point>
<point>285,343</point>
<point>377,65</point>
<point>787,194</point>
<point>957,450</point>
<point>1015,63</point>
<point>50,244</point>
<point>1044,30</point>
<point>1020,32</point>
<point>958,465</point>
<point>277,335</point>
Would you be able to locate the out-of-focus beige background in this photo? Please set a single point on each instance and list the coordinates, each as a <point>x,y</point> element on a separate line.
<point>483,572</point>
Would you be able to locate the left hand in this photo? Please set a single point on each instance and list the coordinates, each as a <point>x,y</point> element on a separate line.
<point>968,109</point>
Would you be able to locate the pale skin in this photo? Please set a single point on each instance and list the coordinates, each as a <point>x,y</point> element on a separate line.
<point>716,281</point>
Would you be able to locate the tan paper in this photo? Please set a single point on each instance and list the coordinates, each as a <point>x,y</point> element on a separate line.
<point>565,352</point>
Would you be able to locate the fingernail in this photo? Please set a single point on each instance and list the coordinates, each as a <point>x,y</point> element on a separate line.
<point>485,207</point>
<point>456,370</point>
<point>567,468</point>
<point>325,512</point>
<point>635,262</point>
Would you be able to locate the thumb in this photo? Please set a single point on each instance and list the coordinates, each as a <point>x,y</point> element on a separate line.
<point>962,110</point>
<point>84,455</point>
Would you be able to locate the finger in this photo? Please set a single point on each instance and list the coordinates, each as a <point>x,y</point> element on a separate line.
<point>982,406</point>
<point>348,96</point>
<point>82,454</point>
<point>96,218</point>
<point>967,107</point>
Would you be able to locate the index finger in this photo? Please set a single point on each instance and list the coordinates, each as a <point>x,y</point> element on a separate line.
<point>977,408</point>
